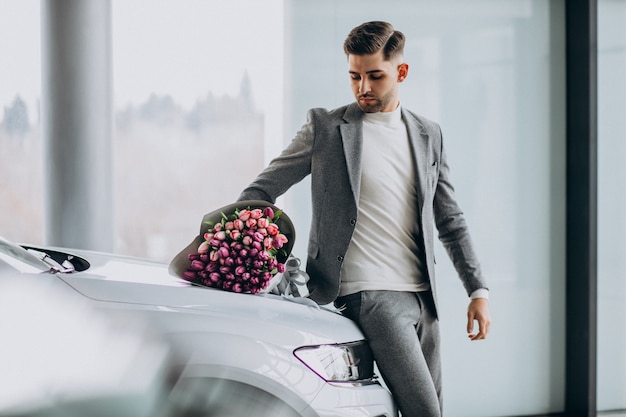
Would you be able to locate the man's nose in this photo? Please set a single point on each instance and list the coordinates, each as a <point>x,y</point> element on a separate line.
<point>364,86</point>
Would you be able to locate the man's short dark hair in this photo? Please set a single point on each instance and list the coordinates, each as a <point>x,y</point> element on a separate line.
<point>371,37</point>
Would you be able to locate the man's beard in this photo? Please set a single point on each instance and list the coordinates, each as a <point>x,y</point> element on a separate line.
<point>376,105</point>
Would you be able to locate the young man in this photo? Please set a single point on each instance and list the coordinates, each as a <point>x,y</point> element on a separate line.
<point>379,184</point>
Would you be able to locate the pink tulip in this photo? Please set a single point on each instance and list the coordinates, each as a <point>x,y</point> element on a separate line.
<point>256,213</point>
<point>263,222</point>
<point>244,215</point>
<point>208,236</point>
<point>239,224</point>
<point>203,248</point>
<point>272,229</point>
<point>251,223</point>
<point>220,235</point>
<point>262,230</point>
<point>235,234</point>
<point>267,243</point>
<point>217,227</point>
<point>247,240</point>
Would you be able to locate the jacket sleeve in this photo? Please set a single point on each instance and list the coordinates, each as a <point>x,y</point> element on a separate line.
<point>287,169</point>
<point>453,230</point>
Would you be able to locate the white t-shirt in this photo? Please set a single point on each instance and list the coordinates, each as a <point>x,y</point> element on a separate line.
<point>383,253</point>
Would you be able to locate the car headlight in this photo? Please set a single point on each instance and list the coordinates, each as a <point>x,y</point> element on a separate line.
<point>343,362</point>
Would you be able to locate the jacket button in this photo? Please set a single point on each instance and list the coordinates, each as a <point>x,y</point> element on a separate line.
<point>352,222</point>
<point>340,258</point>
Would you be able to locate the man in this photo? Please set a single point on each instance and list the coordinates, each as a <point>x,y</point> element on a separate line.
<point>379,183</point>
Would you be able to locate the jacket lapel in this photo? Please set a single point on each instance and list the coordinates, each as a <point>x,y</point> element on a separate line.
<point>352,138</point>
<point>420,145</point>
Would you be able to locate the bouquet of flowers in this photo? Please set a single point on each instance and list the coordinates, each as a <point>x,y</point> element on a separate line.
<point>238,249</point>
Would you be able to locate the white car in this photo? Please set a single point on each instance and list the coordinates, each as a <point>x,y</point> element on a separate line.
<point>95,334</point>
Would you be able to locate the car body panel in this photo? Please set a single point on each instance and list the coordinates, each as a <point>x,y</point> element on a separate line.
<point>216,335</point>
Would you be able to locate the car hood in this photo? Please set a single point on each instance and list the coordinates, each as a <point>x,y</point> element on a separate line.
<point>149,286</point>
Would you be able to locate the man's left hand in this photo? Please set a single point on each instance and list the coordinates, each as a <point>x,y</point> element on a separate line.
<point>478,310</point>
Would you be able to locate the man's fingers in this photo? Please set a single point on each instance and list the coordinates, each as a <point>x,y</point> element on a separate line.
<point>479,312</point>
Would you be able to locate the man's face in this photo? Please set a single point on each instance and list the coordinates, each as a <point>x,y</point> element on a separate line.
<point>375,81</point>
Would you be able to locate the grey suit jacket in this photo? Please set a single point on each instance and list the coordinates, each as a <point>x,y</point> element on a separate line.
<point>328,147</point>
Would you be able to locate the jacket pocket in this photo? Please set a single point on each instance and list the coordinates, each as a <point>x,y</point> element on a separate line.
<point>433,175</point>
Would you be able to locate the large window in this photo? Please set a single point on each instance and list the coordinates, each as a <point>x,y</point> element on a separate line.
<point>611,205</point>
<point>492,74</point>
<point>21,204</point>
<point>198,93</point>
<point>206,92</point>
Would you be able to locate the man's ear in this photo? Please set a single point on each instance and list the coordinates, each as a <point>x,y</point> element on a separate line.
<point>403,71</point>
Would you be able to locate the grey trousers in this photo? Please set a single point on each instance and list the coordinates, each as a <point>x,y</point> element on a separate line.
<point>403,332</point>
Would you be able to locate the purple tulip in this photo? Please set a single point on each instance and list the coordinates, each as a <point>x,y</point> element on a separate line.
<point>240,270</point>
<point>271,263</point>
<point>268,212</point>
<point>214,276</point>
<point>196,265</point>
<point>237,288</point>
<point>193,256</point>
<point>189,275</point>
<point>280,267</point>
<point>212,267</point>
<point>277,242</point>
<point>223,253</point>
